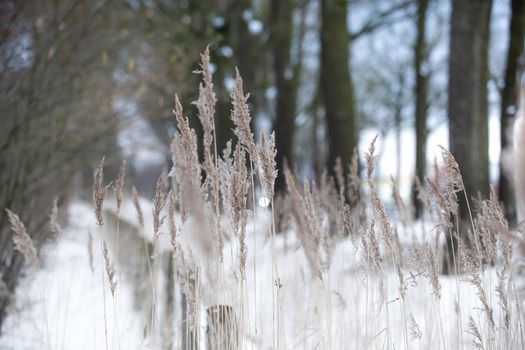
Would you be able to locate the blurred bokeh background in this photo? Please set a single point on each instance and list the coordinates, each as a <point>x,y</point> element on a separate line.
<point>80,79</point>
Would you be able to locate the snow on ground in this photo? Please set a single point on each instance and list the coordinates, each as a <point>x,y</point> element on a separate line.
<point>60,307</point>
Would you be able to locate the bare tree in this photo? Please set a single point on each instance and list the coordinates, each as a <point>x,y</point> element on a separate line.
<point>421,87</point>
<point>56,116</point>
<point>286,82</point>
<point>467,101</point>
<point>336,83</point>
<point>509,100</point>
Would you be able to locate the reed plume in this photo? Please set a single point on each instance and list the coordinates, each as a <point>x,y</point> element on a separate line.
<point>100,192</point>
<point>158,204</point>
<point>22,240</point>
<point>206,114</point>
<point>119,185</point>
<point>234,188</point>
<point>111,271</point>
<point>171,221</point>
<point>186,167</point>
<point>241,118</point>
<point>306,215</point>
<point>266,153</point>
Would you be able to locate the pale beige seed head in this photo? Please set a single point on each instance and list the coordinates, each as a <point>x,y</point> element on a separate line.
<point>22,240</point>
<point>171,221</point>
<point>111,271</point>
<point>158,204</point>
<point>268,167</point>
<point>119,185</point>
<point>100,192</point>
<point>241,118</point>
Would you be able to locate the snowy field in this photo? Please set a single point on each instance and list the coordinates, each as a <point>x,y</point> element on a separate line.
<point>61,306</point>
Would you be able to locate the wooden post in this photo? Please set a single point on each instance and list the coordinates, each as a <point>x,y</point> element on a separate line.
<point>222,331</point>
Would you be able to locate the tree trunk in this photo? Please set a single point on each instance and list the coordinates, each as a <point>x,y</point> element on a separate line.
<point>336,83</point>
<point>509,100</point>
<point>420,56</point>
<point>223,123</point>
<point>286,84</point>
<point>467,101</point>
<point>398,119</point>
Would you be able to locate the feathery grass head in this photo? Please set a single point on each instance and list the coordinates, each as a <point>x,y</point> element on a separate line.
<point>171,221</point>
<point>452,179</point>
<point>370,158</point>
<point>186,166</point>
<point>371,249</point>
<point>267,152</point>
<point>234,187</point>
<point>111,271</point>
<point>475,279</point>
<point>158,204</point>
<point>22,240</point>
<point>353,178</point>
<point>206,100</point>
<point>241,117</point>
<point>119,185</point>
<point>433,272</point>
<point>473,329</point>
<point>503,297</point>
<point>306,214</point>
<point>206,114</point>
<point>387,233</point>
<point>100,192</point>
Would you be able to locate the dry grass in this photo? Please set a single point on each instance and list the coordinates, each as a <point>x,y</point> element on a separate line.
<point>346,233</point>
<point>22,240</point>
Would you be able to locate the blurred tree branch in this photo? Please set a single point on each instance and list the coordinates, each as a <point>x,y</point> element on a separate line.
<point>385,18</point>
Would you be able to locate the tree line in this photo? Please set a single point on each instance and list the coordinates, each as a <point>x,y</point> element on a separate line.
<point>67,68</point>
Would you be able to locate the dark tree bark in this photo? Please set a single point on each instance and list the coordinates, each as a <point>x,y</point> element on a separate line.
<point>421,93</point>
<point>233,33</point>
<point>286,84</point>
<point>223,122</point>
<point>467,102</point>
<point>509,97</point>
<point>336,83</point>
<point>244,46</point>
<point>398,119</point>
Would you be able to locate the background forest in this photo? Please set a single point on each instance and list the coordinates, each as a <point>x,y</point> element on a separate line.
<point>82,79</point>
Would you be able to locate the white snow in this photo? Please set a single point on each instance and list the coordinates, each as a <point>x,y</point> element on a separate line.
<point>60,307</point>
